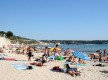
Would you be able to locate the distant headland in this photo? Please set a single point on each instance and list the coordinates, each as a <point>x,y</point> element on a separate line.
<point>15,39</point>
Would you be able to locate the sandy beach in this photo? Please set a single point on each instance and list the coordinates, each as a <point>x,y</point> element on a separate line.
<point>88,72</point>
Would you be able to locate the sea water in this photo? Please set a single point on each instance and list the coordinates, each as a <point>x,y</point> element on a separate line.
<point>87,48</point>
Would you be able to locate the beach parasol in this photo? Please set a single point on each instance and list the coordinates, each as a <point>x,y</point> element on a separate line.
<point>81,55</point>
<point>52,49</point>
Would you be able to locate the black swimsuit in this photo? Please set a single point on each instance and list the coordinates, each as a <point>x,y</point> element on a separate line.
<point>30,54</point>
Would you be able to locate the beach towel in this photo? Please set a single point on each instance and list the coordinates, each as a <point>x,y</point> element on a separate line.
<point>11,59</point>
<point>52,57</point>
<point>100,65</point>
<point>60,58</point>
<point>65,56</point>
<point>20,66</point>
<point>67,62</point>
<point>81,64</point>
<point>5,57</point>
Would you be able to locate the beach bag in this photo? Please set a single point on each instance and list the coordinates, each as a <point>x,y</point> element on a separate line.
<point>1,58</point>
<point>57,69</point>
<point>60,58</point>
<point>29,67</point>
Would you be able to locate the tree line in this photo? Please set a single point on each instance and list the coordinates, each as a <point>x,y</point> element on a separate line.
<point>76,41</point>
<point>7,34</point>
<point>15,39</point>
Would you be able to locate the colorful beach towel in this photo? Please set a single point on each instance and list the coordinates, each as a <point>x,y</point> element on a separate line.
<point>60,58</point>
<point>10,59</point>
<point>6,57</point>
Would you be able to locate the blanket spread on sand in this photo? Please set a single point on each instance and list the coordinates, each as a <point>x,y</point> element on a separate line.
<point>20,66</point>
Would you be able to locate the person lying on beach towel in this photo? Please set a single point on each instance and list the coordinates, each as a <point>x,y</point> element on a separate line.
<point>105,59</point>
<point>72,71</point>
<point>71,59</point>
<point>100,65</point>
<point>80,61</point>
<point>40,63</point>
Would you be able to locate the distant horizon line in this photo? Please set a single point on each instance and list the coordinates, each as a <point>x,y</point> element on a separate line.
<point>75,40</point>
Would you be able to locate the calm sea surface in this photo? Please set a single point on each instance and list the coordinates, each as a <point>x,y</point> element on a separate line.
<point>88,48</point>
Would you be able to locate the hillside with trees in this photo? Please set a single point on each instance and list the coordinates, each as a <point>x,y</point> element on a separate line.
<point>14,39</point>
<point>76,41</point>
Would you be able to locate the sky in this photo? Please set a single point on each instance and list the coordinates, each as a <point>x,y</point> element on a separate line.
<point>55,19</point>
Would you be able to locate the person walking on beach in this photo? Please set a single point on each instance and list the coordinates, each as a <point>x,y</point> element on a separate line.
<point>35,50</point>
<point>56,51</point>
<point>29,48</point>
<point>105,53</point>
<point>29,55</point>
<point>45,53</point>
<point>100,55</point>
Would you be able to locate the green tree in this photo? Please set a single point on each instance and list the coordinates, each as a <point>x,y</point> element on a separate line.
<point>9,34</point>
<point>2,33</point>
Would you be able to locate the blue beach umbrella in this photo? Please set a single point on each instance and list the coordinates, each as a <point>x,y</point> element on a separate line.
<point>81,55</point>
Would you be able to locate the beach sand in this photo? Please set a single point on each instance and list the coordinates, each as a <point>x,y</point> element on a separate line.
<point>88,72</point>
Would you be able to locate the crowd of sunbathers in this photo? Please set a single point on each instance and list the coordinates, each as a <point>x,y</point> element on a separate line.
<point>100,56</point>
<point>46,58</point>
<point>55,52</point>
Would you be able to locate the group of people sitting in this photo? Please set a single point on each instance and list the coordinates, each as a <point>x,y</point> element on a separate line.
<point>40,63</point>
<point>71,71</point>
<point>101,56</point>
<point>67,69</point>
<point>47,57</point>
